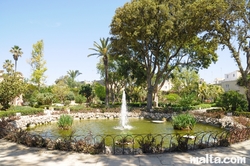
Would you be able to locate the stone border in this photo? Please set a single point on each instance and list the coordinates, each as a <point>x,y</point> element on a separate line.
<point>23,122</point>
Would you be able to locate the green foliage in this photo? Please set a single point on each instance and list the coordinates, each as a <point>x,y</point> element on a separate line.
<point>80,99</point>
<point>103,50</point>
<point>183,122</point>
<point>149,144</point>
<point>232,101</point>
<point>17,52</point>
<point>167,33</point>
<point>11,87</point>
<point>240,113</point>
<point>232,30</point>
<point>100,91</point>
<point>70,96</point>
<point>29,96</point>
<point>86,90</point>
<point>44,98</point>
<point>38,64</point>
<point>172,98</point>
<point>65,122</point>
<point>24,110</point>
<point>72,74</point>
<point>77,108</point>
<point>185,81</point>
<point>188,100</point>
<point>201,106</point>
<point>60,90</point>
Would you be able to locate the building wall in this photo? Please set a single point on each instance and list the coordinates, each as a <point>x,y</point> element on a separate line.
<point>167,86</point>
<point>232,76</point>
<point>230,82</point>
<point>232,85</point>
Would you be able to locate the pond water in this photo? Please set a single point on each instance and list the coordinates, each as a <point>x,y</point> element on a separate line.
<point>109,126</point>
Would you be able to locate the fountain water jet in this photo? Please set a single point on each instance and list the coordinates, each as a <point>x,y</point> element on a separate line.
<point>124,114</point>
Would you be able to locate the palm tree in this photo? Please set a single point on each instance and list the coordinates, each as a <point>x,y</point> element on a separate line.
<point>8,66</point>
<point>16,51</point>
<point>102,50</point>
<point>203,91</point>
<point>73,74</point>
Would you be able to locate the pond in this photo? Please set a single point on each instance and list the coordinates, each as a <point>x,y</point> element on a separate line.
<point>109,126</point>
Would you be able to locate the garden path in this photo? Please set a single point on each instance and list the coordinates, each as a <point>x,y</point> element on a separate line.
<point>12,154</point>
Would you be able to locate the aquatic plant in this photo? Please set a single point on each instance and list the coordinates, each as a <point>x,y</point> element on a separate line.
<point>65,122</point>
<point>183,122</point>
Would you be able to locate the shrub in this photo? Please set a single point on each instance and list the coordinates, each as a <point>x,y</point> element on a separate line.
<point>172,98</point>
<point>245,114</point>
<point>65,122</point>
<point>148,144</point>
<point>183,122</point>
<point>233,101</point>
<point>188,100</point>
<point>80,99</point>
<point>24,110</point>
<point>70,96</point>
<point>44,98</point>
<point>77,108</point>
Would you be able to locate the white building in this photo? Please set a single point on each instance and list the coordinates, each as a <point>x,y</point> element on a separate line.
<point>167,86</point>
<point>230,82</point>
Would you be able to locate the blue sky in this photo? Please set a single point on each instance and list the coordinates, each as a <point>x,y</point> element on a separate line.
<point>68,29</point>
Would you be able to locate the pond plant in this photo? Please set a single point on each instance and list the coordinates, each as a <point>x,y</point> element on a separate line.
<point>183,122</point>
<point>65,122</point>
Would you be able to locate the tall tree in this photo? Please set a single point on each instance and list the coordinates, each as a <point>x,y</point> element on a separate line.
<point>73,74</point>
<point>17,52</point>
<point>233,30</point>
<point>163,34</point>
<point>38,64</point>
<point>102,50</point>
<point>11,86</point>
<point>185,81</point>
<point>8,66</point>
<point>60,90</point>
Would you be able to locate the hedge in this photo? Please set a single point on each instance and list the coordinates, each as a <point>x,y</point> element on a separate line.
<point>24,110</point>
<point>245,114</point>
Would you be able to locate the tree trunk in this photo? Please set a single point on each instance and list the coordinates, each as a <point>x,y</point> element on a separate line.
<point>156,101</point>
<point>248,98</point>
<point>149,95</point>
<point>105,59</point>
<point>15,64</point>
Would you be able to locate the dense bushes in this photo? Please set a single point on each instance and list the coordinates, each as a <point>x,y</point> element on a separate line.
<point>232,101</point>
<point>24,110</point>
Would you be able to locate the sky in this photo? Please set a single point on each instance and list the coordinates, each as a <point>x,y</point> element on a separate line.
<point>68,29</point>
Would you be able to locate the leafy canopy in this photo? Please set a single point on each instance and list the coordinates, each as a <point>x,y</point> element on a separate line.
<point>163,34</point>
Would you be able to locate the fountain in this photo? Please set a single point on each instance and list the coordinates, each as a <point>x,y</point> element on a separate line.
<point>124,114</point>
